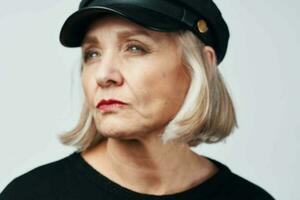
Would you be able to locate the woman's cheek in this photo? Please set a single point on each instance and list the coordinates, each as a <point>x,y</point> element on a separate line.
<point>88,89</point>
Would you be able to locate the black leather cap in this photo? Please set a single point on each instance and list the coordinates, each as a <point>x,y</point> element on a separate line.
<point>202,17</point>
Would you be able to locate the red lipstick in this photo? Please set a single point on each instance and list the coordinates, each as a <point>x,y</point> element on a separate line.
<point>110,104</point>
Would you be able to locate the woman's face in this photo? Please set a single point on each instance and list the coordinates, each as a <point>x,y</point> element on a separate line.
<point>138,66</point>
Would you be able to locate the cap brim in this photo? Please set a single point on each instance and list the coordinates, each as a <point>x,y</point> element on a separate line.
<point>76,26</point>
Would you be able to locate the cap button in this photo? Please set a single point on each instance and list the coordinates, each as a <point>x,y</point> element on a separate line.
<point>202,26</point>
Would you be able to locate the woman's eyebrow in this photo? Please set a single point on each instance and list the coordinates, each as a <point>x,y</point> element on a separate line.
<point>121,35</point>
<point>89,40</point>
<point>125,34</point>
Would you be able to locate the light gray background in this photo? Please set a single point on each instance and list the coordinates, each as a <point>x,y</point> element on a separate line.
<point>261,70</point>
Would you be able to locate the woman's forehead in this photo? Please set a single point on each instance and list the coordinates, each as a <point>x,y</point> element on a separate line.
<point>122,27</point>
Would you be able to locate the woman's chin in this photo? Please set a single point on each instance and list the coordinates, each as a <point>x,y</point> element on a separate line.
<point>116,130</point>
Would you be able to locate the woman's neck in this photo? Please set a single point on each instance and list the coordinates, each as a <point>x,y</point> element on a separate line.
<point>148,166</point>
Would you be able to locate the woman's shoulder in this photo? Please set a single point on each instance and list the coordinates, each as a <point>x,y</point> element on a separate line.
<point>238,187</point>
<point>245,187</point>
<point>37,182</point>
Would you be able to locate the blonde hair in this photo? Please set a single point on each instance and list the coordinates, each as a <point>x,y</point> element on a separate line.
<point>207,114</point>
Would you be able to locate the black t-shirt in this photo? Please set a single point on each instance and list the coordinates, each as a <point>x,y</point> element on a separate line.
<point>72,178</point>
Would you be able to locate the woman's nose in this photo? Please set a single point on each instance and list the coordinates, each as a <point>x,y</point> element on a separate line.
<point>108,72</point>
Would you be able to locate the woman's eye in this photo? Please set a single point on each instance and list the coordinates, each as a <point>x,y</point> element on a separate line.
<point>90,54</point>
<point>136,48</point>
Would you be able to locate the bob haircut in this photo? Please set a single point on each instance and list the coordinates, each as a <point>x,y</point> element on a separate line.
<point>207,114</point>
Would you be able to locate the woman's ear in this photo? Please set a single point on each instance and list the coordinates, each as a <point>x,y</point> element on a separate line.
<point>210,55</point>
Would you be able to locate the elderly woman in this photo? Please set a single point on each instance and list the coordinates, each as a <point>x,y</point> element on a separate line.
<point>152,90</point>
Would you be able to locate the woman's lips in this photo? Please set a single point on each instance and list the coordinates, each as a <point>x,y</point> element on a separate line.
<point>110,105</point>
